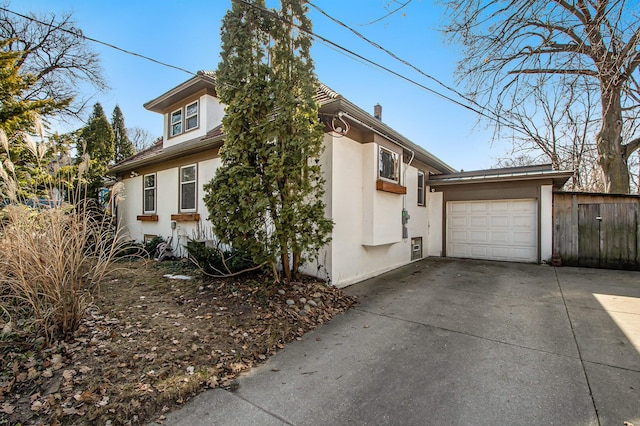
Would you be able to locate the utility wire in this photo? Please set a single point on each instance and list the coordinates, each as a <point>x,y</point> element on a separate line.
<point>377,65</point>
<point>394,56</point>
<point>326,41</point>
<point>81,35</point>
<point>387,15</point>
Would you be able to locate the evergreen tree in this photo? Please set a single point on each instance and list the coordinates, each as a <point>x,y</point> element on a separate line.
<point>23,160</point>
<point>266,198</point>
<point>122,144</point>
<point>299,185</point>
<point>96,140</point>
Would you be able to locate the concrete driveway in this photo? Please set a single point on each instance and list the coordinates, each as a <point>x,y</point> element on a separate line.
<point>455,342</point>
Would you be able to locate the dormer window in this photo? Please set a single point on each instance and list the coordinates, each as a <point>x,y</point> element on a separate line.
<point>191,116</point>
<point>184,119</point>
<point>176,122</point>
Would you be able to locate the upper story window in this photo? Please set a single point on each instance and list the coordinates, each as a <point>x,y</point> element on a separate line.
<point>149,182</point>
<point>421,188</point>
<point>389,168</point>
<point>191,116</point>
<point>184,119</point>
<point>188,192</point>
<point>176,122</point>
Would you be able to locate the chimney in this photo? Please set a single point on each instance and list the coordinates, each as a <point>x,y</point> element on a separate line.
<point>377,111</point>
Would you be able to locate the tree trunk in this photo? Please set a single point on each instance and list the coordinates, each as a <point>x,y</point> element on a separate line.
<point>286,268</point>
<point>296,265</point>
<point>609,142</point>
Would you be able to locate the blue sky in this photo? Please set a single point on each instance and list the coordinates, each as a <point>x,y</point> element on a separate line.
<point>187,35</point>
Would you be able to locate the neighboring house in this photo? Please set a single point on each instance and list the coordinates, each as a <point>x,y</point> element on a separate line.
<point>392,202</point>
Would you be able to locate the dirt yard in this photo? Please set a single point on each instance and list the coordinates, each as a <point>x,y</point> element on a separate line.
<point>149,343</point>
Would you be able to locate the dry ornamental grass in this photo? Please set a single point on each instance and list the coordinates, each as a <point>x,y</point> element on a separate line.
<point>149,343</point>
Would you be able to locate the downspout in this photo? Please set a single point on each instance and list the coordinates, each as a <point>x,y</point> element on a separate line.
<point>405,215</point>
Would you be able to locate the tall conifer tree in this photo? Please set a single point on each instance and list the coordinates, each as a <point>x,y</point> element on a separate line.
<point>121,142</point>
<point>96,139</point>
<point>266,197</point>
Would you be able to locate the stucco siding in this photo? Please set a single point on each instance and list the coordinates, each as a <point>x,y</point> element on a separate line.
<point>167,204</point>
<point>367,238</point>
<point>209,115</point>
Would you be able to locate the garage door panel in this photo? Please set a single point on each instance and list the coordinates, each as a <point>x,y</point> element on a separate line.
<point>493,229</point>
<point>458,208</point>
<point>459,237</point>
<point>479,208</point>
<point>477,252</point>
<point>459,221</point>
<point>459,250</point>
<point>500,237</point>
<point>499,221</point>
<point>522,222</point>
<point>477,236</point>
<point>522,238</point>
<point>499,206</point>
<point>478,221</point>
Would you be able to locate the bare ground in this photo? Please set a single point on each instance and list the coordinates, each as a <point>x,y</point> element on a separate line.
<point>149,343</point>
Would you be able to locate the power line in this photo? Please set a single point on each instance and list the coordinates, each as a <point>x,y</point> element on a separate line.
<point>394,56</point>
<point>377,65</point>
<point>326,41</point>
<point>387,15</point>
<point>81,35</point>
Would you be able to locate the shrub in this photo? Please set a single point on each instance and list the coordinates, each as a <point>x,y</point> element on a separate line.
<point>151,246</point>
<point>219,261</point>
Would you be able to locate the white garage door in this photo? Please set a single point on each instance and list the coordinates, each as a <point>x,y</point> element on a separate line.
<point>495,230</point>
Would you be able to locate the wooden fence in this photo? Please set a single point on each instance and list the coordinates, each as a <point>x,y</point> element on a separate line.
<point>597,230</point>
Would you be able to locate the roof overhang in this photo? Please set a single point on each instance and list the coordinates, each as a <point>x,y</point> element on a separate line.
<point>542,173</point>
<point>201,81</point>
<point>369,122</point>
<point>212,140</point>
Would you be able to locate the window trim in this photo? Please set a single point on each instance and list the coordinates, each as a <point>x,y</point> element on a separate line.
<point>421,191</point>
<point>172,123</point>
<point>181,209</point>
<point>153,188</point>
<point>184,119</point>
<point>396,164</point>
<point>187,117</point>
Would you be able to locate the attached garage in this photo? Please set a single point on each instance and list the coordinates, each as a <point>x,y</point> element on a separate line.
<point>499,214</point>
<point>493,229</point>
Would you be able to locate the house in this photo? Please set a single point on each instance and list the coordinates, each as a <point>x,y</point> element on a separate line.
<point>392,202</point>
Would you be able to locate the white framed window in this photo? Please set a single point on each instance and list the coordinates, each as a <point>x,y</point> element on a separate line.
<point>188,188</point>
<point>149,191</point>
<point>191,116</point>
<point>389,165</point>
<point>176,122</point>
<point>421,188</point>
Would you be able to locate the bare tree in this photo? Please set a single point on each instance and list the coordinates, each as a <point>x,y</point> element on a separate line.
<point>55,53</point>
<point>554,124</point>
<point>512,47</point>
<point>140,138</point>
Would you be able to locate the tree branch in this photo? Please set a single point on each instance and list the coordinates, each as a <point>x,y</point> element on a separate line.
<point>630,148</point>
<point>556,71</point>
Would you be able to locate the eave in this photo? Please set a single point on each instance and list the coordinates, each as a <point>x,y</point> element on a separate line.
<point>203,80</point>
<point>342,104</point>
<point>214,139</point>
<point>541,173</point>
